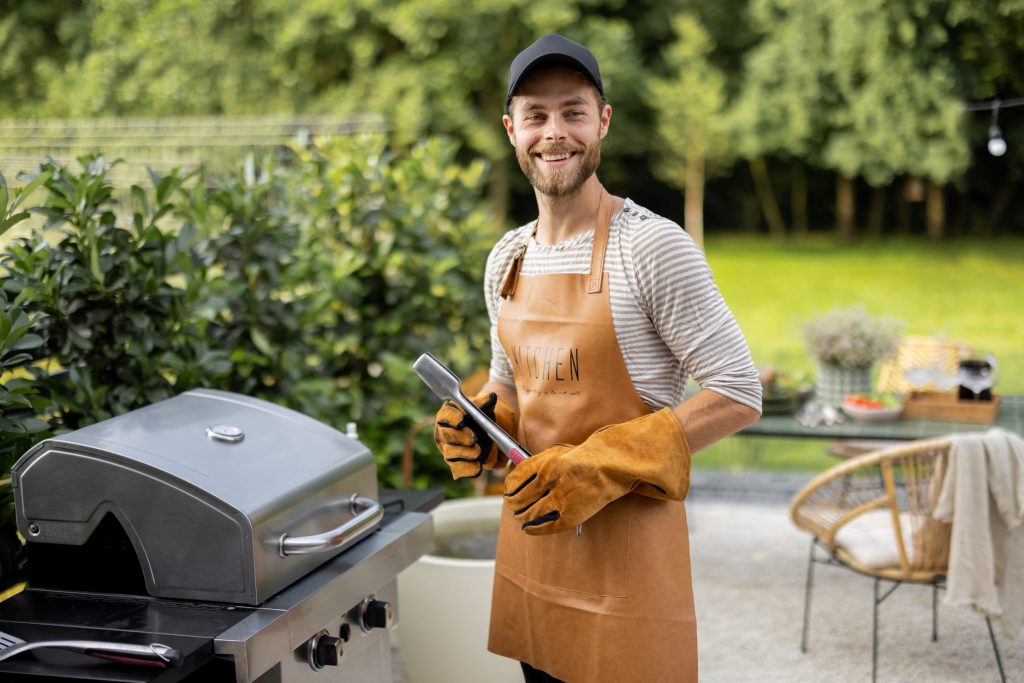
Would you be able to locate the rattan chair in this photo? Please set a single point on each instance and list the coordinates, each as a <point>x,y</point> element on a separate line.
<point>872,514</point>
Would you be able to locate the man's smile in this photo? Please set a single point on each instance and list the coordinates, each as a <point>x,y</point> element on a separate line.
<point>555,159</point>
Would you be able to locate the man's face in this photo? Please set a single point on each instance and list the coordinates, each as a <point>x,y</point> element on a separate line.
<point>556,126</point>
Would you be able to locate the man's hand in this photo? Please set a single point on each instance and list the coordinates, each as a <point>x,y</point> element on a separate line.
<point>465,446</point>
<point>563,486</point>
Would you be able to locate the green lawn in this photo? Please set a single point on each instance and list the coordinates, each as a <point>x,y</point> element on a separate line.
<point>970,290</point>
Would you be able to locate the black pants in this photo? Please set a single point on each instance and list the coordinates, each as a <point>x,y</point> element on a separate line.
<point>535,676</point>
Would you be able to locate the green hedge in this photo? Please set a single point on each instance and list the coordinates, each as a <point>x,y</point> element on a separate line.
<point>311,278</point>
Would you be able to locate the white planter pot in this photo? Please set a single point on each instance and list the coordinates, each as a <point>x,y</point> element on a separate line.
<point>445,607</point>
<point>835,382</point>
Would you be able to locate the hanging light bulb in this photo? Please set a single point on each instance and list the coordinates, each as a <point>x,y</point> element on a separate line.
<point>996,143</point>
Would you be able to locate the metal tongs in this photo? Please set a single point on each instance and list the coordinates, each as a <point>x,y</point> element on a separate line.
<point>154,654</point>
<point>446,385</point>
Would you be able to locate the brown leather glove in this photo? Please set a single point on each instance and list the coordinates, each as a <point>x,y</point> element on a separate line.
<point>563,486</point>
<point>465,446</point>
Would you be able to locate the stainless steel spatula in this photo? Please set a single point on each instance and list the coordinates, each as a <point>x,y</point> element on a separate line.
<point>446,385</point>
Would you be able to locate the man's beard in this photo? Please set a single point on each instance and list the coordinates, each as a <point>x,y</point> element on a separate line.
<point>560,182</point>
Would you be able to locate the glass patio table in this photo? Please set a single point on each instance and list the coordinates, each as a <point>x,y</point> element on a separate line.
<point>1010,418</point>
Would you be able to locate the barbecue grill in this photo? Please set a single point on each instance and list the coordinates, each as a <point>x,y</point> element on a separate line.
<point>207,537</point>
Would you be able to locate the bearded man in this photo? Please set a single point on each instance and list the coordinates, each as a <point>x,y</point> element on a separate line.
<point>600,311</point>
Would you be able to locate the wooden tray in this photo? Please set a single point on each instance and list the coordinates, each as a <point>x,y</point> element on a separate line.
<point>934,405</point>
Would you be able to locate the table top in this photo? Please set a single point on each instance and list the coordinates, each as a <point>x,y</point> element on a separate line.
<point>1010,417</point>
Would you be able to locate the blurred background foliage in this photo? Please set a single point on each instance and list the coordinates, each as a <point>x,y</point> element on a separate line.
<point>309,279</point>
<point>800,115</point>
<point>311,276</point>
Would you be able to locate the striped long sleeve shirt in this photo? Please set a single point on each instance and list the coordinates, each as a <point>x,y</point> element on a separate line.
<point>670,319</point>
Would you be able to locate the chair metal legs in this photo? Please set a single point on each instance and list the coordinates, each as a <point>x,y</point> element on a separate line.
<point>995,648</point>
<point>878,599</point>
<point>874,634</point>
<point>807,598</point>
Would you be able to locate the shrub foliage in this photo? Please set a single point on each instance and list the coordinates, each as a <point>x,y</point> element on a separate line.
<point>312,278</point>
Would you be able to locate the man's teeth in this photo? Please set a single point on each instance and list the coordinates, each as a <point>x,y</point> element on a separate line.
<point>554,157</point>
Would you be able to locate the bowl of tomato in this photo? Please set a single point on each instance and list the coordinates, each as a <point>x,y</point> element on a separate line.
<point>865,408</point>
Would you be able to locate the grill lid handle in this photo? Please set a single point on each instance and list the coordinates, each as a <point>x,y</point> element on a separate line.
<point>368,513</point>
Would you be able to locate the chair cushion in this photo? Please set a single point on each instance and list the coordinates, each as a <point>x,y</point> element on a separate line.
<point>870,540</point>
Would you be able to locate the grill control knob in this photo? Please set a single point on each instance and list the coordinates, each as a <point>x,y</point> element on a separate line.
<point>324,650</point>
<point>376,614</point>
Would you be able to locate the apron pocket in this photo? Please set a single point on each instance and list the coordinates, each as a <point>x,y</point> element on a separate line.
<point>595,562</point>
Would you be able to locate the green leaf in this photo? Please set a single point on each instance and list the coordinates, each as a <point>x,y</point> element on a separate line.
<point>141,205</point>
<point>29,341</point>
<point>260,341</point>
<point>10,222</point>
<point>31,187</point>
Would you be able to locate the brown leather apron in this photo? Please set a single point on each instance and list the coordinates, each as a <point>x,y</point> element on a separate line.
<point>613,603</point>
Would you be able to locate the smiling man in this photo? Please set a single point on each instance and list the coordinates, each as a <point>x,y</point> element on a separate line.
<point>600,311</point>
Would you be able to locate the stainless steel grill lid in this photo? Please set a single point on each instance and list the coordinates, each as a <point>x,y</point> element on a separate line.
<point>223,497</point>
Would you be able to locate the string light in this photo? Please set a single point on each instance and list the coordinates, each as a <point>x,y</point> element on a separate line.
<point>996,143</point>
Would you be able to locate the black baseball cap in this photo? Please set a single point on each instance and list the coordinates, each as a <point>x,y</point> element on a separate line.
<point>553,49</point>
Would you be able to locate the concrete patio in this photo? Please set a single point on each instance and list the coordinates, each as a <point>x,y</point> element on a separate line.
<point>749,568</point>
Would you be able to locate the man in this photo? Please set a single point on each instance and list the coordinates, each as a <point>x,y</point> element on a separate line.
<point>600,310</point>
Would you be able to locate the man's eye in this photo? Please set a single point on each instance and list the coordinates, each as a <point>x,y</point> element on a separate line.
<point>576,114</point>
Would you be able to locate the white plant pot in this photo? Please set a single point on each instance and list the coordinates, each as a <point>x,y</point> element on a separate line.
<point>835,382</point>
<point>445,608</point>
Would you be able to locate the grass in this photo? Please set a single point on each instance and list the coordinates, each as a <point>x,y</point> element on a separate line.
<point>970,290</point>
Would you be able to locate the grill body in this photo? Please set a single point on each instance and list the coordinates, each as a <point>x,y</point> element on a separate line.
<point>232,529</point>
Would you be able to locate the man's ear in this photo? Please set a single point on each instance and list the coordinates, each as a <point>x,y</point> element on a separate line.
<point>606,119</point>
<point>510,130</point>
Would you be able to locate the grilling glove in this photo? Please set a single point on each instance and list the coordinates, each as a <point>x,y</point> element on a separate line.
<point>564,486</point>
<point>465,446</point>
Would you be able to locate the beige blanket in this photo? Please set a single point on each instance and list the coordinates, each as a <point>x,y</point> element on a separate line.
<point>982,495</point>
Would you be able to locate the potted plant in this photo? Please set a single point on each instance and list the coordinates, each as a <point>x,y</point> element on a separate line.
<point>846,342</point>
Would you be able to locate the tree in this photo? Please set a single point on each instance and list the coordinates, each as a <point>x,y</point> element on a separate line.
<point>863,89</point>
<point>781,109</point>
<point>688,107</point>
<point>901,107</point>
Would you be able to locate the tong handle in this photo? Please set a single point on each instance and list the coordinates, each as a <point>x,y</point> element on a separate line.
<point>156,652</point>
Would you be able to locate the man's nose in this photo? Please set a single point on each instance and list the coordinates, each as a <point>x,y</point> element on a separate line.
<point>555,129</point>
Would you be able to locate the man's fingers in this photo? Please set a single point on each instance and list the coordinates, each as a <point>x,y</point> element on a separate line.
<point>444,434</point>
<point>462,470</point>
<point>456,453</point>
<point>451,415</point>
<point>488,405</point>
<point>525,511</point>
<point>548,523</point>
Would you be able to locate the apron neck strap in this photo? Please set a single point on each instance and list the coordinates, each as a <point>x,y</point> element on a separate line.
<point>602,228</point>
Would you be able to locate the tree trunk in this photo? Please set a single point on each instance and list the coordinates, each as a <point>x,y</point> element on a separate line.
<point>845,207</point>
<point>498,192</point>
<point>693,211</point>
<point>935,210</point>
<point>751,213</point>
<point>990,228</point>
<point>876,215</point>
<point>906,218</point>
<point>766,198</point>
<point>798,197</point>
